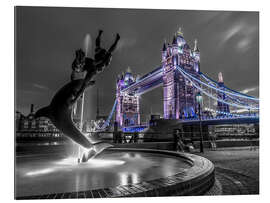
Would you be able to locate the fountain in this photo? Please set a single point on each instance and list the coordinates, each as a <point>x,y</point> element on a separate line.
<point>60,109</point>
<point>117,172</point>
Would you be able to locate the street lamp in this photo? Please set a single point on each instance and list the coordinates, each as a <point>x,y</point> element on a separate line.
<point>199,99</point>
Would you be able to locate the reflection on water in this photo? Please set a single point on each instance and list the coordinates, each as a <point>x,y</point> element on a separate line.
<point>41,175</point>
<point>52,143</point>
<point>39,172</point>
<point>128,178</point>
<point>92,163</point>
<point>72,163</point>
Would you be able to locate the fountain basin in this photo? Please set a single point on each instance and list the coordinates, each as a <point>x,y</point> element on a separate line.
<point>116,172</point>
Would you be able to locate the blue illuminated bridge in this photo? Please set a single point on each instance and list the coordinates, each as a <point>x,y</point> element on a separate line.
<point>189,95</point>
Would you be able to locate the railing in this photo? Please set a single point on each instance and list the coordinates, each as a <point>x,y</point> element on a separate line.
<point>157,140</point>
<point>40,137</point>
<point>141,137</point>
<point>20,135</point>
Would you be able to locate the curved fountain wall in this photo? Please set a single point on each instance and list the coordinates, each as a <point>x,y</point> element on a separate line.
<point>195,180</point>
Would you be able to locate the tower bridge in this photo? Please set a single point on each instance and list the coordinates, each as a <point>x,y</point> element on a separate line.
<point>182,80</point>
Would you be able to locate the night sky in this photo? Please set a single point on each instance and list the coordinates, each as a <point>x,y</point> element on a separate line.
<point>46,39</point>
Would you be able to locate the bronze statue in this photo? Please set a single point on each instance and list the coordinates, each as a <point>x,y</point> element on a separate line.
<point>91,66</point>
<point>60,109</point>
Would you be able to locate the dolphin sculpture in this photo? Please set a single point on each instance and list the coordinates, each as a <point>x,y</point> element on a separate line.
<point>60,109</point>
<point>59,112</point>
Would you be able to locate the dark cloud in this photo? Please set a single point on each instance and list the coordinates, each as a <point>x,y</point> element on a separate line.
<point>46,39</point>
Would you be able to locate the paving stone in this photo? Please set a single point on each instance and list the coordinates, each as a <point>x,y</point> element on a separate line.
<point>96,194</point>
<point>51,196</point>
<point>66,195</point>
<point>81,194</point>
<point>102,193</point>
<point>88,194</point>
<point>115,192</point>
<point>59,196</point>
<point>73,195</point>
<point>108,192</point>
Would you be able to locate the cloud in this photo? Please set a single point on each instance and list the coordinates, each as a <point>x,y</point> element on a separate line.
<point>244,33</point>
<point>243,44</point>
<point>231,33</point>
<point>40,86</point>
<point>248,90</point>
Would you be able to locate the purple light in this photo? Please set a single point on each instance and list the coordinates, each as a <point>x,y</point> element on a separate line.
<point>217,99</point>
<point>175,89</point>
<point>214,84</point>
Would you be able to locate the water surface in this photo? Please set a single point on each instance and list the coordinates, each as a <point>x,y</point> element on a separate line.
<point>36,175</point>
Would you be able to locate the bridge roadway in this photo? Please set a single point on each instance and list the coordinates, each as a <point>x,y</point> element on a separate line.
<point>205,121</point>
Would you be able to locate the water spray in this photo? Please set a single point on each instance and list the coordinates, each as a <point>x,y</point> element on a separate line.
<point>87,45</point>
<point>81,125</point>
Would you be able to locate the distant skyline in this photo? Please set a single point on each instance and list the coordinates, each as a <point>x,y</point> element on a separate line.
<point>46,39</point>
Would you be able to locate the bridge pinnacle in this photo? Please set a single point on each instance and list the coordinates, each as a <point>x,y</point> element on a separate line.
<point>129,70</point>
<point>196,47</point>
<point>180,32</point>
<point>138,77</point>
<point>174,40</point>
<point>220,77</point>
<point>164,47</point>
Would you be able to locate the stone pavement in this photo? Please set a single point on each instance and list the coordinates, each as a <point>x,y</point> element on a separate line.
<point>237,169</point>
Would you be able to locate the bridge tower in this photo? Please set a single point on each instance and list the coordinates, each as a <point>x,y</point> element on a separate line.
<point>178,93</point>
<point>221,106</point>
<point>127,109</point>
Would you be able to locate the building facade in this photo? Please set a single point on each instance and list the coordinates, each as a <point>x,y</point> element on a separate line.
<point>28,126</point>
<point>179,96</point>
<point>127,109</point>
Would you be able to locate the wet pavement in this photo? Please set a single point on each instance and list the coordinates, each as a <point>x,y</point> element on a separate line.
<point>237,169</point>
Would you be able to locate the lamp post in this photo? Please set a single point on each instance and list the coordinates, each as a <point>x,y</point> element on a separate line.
<point>199,99</point>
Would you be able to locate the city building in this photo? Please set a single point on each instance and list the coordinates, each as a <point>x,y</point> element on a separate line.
<point>28,126</point>
<point>234,130</point>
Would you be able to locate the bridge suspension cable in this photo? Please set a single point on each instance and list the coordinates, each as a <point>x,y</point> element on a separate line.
<point>108,120</point>
<point>227,90</point>
<point>224,89</point>
<point>232,99</point>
